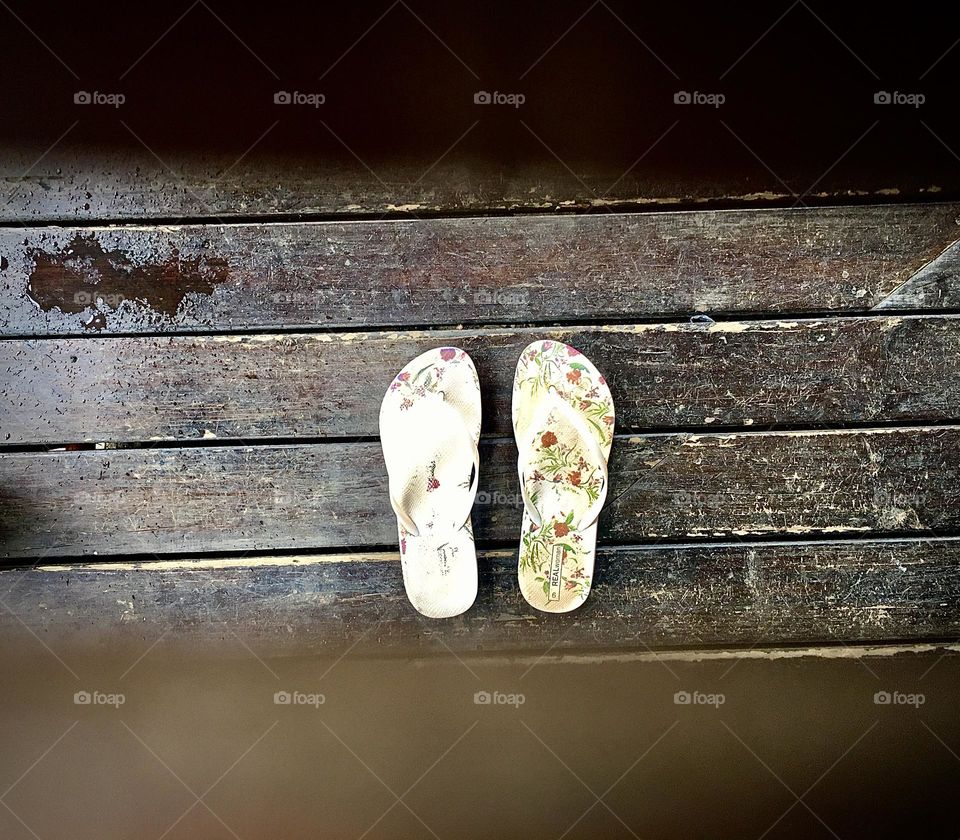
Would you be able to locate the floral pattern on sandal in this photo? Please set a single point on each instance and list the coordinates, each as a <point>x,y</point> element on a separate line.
<point>412,386</point>
<point>563,480</point>
<point>553,364</point>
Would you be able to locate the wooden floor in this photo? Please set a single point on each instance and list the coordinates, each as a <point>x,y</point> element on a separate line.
<point>204,397</point>
<point>194,518</point>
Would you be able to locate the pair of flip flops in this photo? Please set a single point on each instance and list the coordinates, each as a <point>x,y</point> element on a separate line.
<point>430,430</point>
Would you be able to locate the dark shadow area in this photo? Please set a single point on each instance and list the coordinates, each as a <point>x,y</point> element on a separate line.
<point>213,108</point>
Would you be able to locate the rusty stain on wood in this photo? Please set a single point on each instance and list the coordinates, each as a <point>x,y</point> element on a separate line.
<point>83,277</point>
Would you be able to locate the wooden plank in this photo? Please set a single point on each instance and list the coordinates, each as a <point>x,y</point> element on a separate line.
<point>842,370</point>
<point>653,597</point>
<point>479,270</point>
<point>80,185</point>
<point>664,486</point>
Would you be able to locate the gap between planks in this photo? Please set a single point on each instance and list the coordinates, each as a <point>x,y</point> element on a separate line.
<point>392,556</point>
<point>715,321</point>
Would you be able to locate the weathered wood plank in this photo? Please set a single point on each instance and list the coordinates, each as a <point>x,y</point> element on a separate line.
<point>480,270</point>
<point>843,370</point>
<point>653,597</point>
<point>77,184</point>
<point>334,495</point>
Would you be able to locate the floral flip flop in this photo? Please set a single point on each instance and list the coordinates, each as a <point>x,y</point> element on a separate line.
<point>429,430</point>
<point>563,423</point>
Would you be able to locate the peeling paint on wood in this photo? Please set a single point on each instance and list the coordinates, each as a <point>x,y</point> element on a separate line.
<point>83,276</point>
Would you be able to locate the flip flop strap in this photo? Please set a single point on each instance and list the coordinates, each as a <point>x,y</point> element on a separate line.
<point>553,401</point>
<point>424,416</point>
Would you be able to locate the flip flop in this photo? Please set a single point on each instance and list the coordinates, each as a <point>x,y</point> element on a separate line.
<point>429,430</point>
<point>563,423</point>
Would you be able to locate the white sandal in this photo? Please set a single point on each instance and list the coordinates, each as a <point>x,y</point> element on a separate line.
<point>429,430</point>
<point>563,422</point>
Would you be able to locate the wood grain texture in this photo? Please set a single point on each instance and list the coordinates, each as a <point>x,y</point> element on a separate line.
<point>78,184</point>
<point>740,594</point>
<point>300,496</point>
<point>842,370</point>
<point>534,269</point>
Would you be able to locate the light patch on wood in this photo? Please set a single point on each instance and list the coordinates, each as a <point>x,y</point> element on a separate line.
<point>728,327</point>
<point>853,652</point>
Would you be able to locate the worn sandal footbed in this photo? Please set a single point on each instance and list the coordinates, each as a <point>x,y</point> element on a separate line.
<point>429,431</point>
